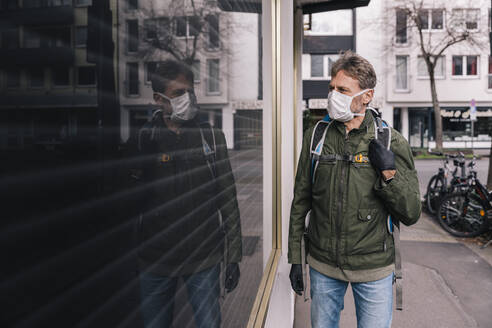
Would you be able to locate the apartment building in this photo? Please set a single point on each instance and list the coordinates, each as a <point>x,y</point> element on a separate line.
<point>463,71</point>
<point>47,88</point>
<point>151,32</point>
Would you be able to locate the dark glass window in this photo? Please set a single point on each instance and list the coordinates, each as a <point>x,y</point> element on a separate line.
<point>213,31</point>
<point>61,76</point>
<point>317,67</point>
<point>213,85</point>
<point>471,65</point>
<point>132,79</point>
<point>437,19</point>
<point>490,73</point>
<point>132,4</point>
<point>36,77</point>
<point>13,78</point>
<point>424,18</point>
<point>10,38</point>
<point>151,67</point>
<point>457,65</point>
<point>181,26</point>
<point>132,28</point>
<point>194,25</point>
<point>86,75</point>
<point>401,26</point>
<point>81,36</point>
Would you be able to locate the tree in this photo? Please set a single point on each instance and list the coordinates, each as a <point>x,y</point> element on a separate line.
<point>451,27</point>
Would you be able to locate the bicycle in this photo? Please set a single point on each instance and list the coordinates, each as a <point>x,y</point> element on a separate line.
<point>438,184</point>
<point>467,213</point>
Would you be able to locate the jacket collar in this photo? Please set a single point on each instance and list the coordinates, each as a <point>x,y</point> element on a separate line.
<point>364,126</point>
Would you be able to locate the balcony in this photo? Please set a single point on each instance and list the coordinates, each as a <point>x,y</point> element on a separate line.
<point>37,56</point>
<point>61,15</point>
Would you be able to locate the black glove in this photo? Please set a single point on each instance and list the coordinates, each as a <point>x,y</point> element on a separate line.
<point>296,278</point>
<point>381,158</point>
<point>232,276</point>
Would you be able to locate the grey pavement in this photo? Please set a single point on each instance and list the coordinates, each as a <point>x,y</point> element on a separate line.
<point>447,281</point>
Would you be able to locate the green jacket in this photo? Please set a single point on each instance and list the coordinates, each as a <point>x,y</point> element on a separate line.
<point>349,203</point>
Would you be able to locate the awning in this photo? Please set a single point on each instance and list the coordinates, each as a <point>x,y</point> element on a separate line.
<point>308,6</point>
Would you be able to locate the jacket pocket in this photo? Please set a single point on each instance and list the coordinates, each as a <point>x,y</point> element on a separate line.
<point>369,234</point>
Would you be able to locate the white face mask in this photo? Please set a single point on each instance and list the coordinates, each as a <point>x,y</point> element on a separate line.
<point>339,106</point>
<point>184,106</point>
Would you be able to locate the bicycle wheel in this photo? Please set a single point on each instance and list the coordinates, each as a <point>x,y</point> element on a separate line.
<point>462,215</point>
<point>435,189</point>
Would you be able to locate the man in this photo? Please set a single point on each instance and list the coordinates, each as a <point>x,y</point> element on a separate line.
<point>355,186</point>
<point>190,214</point>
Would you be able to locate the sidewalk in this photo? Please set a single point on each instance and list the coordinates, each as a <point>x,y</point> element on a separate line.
<point>445,283</point>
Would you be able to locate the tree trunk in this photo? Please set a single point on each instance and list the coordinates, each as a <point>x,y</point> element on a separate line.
<point>437,113</point>
<point>489,178</point>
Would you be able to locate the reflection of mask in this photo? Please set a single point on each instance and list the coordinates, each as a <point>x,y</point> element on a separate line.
<point>184,107</point>
<point>339,106</point>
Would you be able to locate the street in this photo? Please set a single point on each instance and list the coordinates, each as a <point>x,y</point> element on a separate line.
<point>447,282</point>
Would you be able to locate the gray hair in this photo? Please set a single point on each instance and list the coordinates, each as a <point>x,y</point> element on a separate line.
<point>356,67</point>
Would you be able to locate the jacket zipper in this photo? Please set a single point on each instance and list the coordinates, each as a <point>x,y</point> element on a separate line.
<point>340,201</point>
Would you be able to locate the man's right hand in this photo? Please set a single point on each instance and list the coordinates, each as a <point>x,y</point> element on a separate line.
<point>296,278</point>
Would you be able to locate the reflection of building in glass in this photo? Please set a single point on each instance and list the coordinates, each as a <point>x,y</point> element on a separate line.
<point>214,43</point>
<point>47,89</point>
<point>462,73</point>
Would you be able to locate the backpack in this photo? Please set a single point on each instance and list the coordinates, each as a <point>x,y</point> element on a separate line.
<point>383,133</point>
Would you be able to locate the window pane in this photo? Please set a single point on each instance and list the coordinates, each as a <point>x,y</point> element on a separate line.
<point>132,27</point>
<point>401,26</point>
<point>213,75</point>
<point>10,38</point>
<point>439,70</point>
<point>196,70</point>
<point>31,39</point>
<point>81,36</point>
<point>13,78</point>
<point>194,25</point>
<point>317,67</point>
<point>61,76</point>
<point>151,67</point>
<point>36,77</point>
<point>472,16</point>
<point>213,31</point>
<point>424,18</point>
<point>457,65</point>
<point>437,19</point>
<point>401,73</point>
<point>180,26</point>
<point>471,65</point>
<point>338,22</point>
<point>132,79</point>
<point>132,4</point>
<point>86,75</point>
<point>490,73</point>
<point>422,67</point>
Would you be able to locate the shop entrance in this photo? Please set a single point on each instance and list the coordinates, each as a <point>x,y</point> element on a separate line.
<point>419,123</point>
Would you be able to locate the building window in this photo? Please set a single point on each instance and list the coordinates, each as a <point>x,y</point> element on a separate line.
<point>36,77</point>
<point>213,85</point>
<point>157,28</point>
<point>132,4</point>
<point>181,26</point>
<point>132,29</point>
<point>402,73</point>
<point>196,71</point>
<point>337,22</point>
<point>401,26</point>
<point>9,38</point>
<point>213,31</point>
<point>466,19</point>
<point>8,4</point>
<point>133,83</point>
<point>86,75</point>
<point>81,36</point>
<point>53,37</point>
<point>83,3</point>
<point>150,69</point>
<point>31,39</point>
<point>490,73</point>
<point>465,66</point>
<point>439,69</point>
<point>45,3</point>
<point>61,76</point>
<point>317,67</point>
<point>12,78</point>
<point>431,18</point>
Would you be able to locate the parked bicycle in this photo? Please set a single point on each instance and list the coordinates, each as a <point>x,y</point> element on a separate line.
<point>467,213</point>
<point>438,185</point>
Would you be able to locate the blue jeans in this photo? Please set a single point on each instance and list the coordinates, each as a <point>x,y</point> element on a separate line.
<point>373,301</point>
<point>157,298</point>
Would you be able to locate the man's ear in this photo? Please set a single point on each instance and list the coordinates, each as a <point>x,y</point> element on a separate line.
<point>157,98</point>
<point>367,97</point>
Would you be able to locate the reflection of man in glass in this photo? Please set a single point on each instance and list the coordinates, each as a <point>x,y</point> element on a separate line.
<point>190,217</point>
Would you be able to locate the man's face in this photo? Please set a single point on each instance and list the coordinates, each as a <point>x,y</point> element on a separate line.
<point>175,88</point>
<point>350,86</point>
